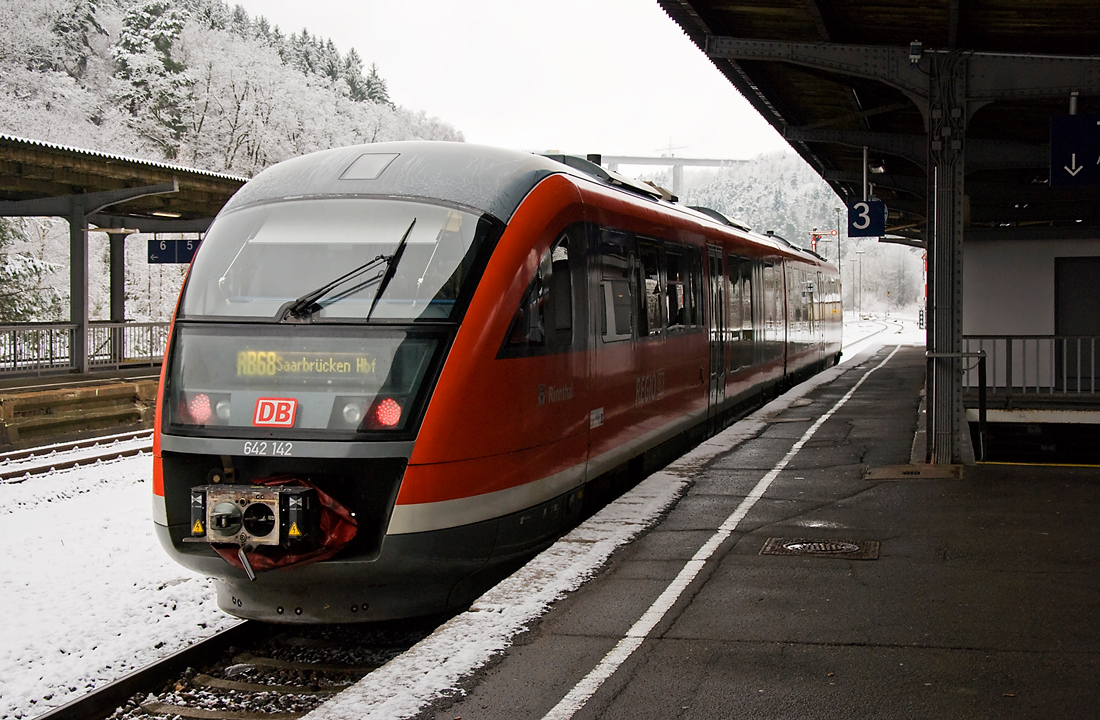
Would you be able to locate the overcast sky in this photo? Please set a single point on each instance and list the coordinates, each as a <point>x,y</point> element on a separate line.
<point>616,77</point>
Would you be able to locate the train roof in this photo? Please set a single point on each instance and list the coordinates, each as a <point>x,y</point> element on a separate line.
<point>490,180</point>
<point>483,178</point>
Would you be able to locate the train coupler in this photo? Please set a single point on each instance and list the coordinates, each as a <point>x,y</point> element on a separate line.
<point>276,522</point>
<point>255,515</point>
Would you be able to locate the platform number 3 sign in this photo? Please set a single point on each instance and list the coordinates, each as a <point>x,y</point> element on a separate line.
<point>866,218</point>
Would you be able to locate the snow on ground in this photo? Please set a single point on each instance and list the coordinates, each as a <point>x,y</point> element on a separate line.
<point>88,591</point>
<point>91,594</point>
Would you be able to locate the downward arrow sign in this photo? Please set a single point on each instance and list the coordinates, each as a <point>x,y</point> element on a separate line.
<point>1073,161</point>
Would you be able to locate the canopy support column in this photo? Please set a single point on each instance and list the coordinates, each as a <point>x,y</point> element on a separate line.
<point>946,205</point>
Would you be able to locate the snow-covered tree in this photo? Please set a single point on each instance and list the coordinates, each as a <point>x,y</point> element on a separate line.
<point>76,28</point>
<point>157,91</point>
<point>24,293</point>
<point>374,87</point>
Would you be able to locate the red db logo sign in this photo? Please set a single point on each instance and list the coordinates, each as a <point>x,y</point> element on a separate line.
<point>275,412</point>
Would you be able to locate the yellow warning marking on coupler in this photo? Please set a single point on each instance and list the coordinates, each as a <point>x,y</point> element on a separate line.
<point>197,529</point>
<point>294,531</point>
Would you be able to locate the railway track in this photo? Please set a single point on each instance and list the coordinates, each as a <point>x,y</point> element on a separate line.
<point>253,671</point>
<point>21,464</point>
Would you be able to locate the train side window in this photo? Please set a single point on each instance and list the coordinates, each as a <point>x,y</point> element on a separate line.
<point>616,296</point>
<point>544,318</point>
<point>650,290</point>
<point>794,299</point>
<point>773,311</point>
<point>678,290</point>
<point>685,298</point>
<point>740,310</point>
<point>696,278</point>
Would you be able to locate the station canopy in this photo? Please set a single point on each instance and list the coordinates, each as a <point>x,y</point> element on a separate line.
<point>42,174</point>
<point>834,76</point>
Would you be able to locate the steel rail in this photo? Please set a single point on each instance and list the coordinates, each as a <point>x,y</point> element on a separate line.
<point>102,702</point>
<point>55,460</point>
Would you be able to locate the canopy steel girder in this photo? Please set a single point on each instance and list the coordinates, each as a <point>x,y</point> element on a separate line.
<point>947,87</point>
<point>150,225</point>
<point>61,206</point>
<point>981,154</point>
<point>901,183</point>
<point>989,77</point>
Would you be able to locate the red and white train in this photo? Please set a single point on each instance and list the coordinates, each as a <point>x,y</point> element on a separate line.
<point>397,370</point>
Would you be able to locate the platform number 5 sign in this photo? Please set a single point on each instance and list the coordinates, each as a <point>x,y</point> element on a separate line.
<point>866,218</point>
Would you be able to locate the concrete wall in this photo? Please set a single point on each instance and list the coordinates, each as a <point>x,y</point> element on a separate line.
<point>1008,289</point>
<point>1008,286</point>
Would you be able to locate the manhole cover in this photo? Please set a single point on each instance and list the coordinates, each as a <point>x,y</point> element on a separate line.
<point>847,549</point>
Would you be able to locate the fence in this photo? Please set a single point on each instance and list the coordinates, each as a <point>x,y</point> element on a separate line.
<point>1048,365</point>
<point>114,345</point>
<point>46,348</point>
<point>36,348</point>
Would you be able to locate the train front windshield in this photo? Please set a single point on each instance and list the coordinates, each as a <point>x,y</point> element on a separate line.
<point>319,317</point>
<point>260,258</point>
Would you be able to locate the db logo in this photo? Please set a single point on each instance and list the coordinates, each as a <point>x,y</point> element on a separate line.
<point>275,412</point>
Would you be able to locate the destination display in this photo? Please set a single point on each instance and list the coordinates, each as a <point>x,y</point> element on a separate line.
<point>269,363</point>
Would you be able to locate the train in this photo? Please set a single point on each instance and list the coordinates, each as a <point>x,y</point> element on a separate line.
<point>398,370</point>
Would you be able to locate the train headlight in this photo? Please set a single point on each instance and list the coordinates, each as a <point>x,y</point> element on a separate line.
<point>222,409</point>
<point>353,413</point>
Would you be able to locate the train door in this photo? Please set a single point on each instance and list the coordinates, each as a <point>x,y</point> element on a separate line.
<point>717,326</point>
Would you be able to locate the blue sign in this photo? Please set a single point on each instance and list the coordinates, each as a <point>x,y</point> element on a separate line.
<point>866,218</point>
<point>172,251</point>
<point>1074,150</point>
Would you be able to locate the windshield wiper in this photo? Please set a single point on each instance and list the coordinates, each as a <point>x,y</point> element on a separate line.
<point>309,303</point>
<point>391,269</point>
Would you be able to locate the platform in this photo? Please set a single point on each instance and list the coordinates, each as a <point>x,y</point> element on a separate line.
<point>41,410</point>
<point>980,599</point>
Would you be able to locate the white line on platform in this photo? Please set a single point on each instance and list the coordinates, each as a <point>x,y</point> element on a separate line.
<point>587,687</point>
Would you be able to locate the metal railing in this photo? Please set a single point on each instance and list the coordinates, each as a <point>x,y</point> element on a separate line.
<point>34,348</point>
<point>46,348</point>
<point>1037,365</point>
<point>113,345</point>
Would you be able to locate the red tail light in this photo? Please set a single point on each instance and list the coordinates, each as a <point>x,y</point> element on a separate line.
<point>198,407</point>
<point>384,414</point>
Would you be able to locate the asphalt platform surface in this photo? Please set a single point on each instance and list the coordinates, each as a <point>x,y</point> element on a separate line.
<point>983,600</point>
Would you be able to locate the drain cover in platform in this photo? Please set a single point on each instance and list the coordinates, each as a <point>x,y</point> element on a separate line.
<point>845,549</point>
<point>915,472</point>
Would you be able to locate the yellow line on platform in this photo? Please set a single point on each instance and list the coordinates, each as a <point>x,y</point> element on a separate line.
<point>1024,464</point>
